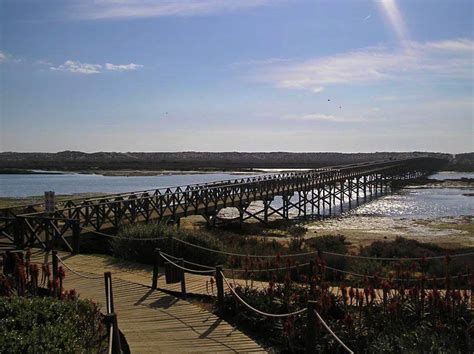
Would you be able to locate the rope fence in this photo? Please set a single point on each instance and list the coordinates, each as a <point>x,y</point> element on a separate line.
<point>302,254</point>
<point>76,272</point>
<point>325,325</point>
<point>274,315</point>
<point>323,252</point>
<point>124,238</point>
<point>164,255</point>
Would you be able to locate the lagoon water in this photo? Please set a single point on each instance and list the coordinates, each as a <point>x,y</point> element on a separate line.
<point>20,186</point>
<point>411,203</point>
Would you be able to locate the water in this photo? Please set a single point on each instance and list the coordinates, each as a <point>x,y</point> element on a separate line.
<point>424,202</point>
<point>442,176</point>
<point>421,203</point>
<point>19,186</point>
<point>407,203</point>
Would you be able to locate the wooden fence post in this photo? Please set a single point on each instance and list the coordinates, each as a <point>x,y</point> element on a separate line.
<point>219,286</point>
<point>183,279</point>
<point>18,234</point>
<point>311,327</point>
<point>170,239</point>
<point>111,320</point>
<point>76,236</point>
<point>109,296</point>
<point>55,270</point>
<point>156,263</point>
<point>311,279</point>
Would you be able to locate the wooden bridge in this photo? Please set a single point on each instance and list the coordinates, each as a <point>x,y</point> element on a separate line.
<point>314,193</point>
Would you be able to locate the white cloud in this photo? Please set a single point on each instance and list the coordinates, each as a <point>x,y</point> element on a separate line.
<point>78,67</point>
<point>86,68</point>
<point>3,57</point>
<point>252,62</point>
<point>122,67</point>
<point>318,89</point>
<point>394,16</point>
<point>117,9</point>
<point>451,59</point>
<point>327,118</point>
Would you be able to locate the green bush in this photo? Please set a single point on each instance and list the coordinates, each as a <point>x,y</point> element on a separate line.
<point>406,248</point>
<point>328,243</point>
<point>142,251</point>
<point>49,325</point>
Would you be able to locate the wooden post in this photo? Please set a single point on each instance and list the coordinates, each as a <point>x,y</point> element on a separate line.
<point>311,327</point>
<point>183,280</point>
<point>219,286</point>
<point>109,296</point>
<point>111,320</point>
<point>76,234</point>
<point>156,263</point>
<point>311,281</point>
<point>170,240</point>
<point>55,270</point>
<point>18,235</point>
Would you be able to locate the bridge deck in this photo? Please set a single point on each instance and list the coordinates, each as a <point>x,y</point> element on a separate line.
<point>151,320</point>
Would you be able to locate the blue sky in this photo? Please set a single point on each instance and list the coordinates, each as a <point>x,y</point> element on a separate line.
<point>247,75</point>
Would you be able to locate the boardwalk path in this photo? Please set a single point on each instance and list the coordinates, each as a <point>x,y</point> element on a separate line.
<point>151,320</point>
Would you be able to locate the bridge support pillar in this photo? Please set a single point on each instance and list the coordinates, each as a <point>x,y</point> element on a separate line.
<point>266,207</point>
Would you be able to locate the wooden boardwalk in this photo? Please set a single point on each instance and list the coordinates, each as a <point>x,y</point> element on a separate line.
<point>142,274</point>
<point>151,320</point>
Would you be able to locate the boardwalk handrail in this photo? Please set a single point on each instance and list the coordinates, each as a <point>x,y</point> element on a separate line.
<point>188,270</point>
<point>332,333</point>
<point>399,259</point>
<point>274,315</point>
<point>72,270</point>
<point>114,345</point>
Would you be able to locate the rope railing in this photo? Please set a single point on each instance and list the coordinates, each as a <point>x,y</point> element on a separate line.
<point>399,259</point>
<point>274,315</point>
<point>76,272</point>
<point>394,279</point>
<point>124,238</point>
<point>324,252</point>
<point>266,269</point>
<point>241,254</point>
<point>164,255</point>
<point>325,325</point>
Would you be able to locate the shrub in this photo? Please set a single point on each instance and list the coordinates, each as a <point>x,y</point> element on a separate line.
<point>142,251</point>
<point>328,243</point>
<point>394,320</point>
<point>49,325</point>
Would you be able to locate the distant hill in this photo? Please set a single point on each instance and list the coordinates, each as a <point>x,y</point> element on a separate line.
<point>152,161</point>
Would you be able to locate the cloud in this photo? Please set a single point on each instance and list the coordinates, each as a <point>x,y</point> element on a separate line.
<point>327,118</point>
<point>318,89</point>
<point>394,16</point>
<point>122,67</point>
<point>255,62</point>
<point>78,67</point>
<point>86,68</point>
<point>449,59</point>
<point>121,9</point>
<point>6,57</point>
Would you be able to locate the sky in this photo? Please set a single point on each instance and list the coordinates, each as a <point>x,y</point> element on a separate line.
<point>228,75</point>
